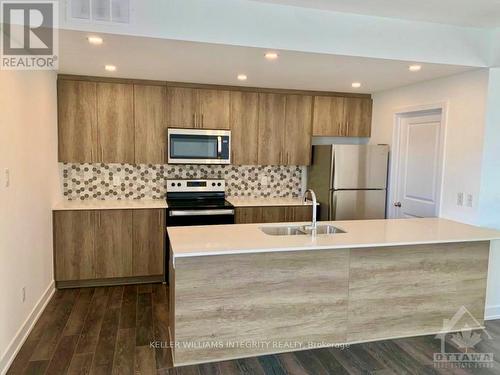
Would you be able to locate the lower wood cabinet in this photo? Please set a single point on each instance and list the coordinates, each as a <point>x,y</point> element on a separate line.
<point>103,244</point>
<point>274,214</point>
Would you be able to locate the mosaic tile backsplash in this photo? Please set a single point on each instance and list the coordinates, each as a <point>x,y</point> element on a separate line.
<point>146,181</point>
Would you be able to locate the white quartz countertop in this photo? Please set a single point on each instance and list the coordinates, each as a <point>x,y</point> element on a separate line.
<point>125,204</point>
<point>248,238</point>
<point>259,202</point>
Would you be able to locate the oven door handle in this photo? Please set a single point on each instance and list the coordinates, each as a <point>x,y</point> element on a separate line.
<point>201,212</point>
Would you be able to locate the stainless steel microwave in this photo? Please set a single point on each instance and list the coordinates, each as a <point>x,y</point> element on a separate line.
<point>199,146</point>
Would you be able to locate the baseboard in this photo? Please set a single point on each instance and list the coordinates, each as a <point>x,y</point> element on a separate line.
<point>492,312</point>
<point>23,332</point>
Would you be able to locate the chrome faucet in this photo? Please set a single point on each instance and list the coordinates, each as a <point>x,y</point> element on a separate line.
<point>313,197</point>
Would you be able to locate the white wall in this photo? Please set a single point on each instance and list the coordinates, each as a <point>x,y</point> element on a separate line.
<point>465,96</point>
<point>28,147</point>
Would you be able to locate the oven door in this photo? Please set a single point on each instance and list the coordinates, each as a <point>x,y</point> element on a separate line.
<point>198,146</point>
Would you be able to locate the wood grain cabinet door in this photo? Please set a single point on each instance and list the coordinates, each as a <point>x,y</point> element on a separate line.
<point>298,213</point>
<point>181,107</point>
<point>358,116</point>
<point>213,109</point>
<point>113,245</point>
<point>244,118</point>
<point>150,127</point>
<point>74,243</point>
<point>298,130</point>
<point>77,121</point>
<point>115,120</point>
<point>271,128</point>
<point>328,116</point>
<point>248,215</point>
<point>148,242</point>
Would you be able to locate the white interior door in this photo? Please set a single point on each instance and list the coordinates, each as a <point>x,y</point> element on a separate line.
<point>419,167</point>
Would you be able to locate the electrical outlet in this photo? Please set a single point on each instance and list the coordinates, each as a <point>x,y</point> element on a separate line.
<point>23,294</point>
<point>7,177</point>
<point>460,199</point>
<point>469,200</point>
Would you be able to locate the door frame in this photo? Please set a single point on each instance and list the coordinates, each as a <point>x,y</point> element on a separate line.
<point>394,179</point>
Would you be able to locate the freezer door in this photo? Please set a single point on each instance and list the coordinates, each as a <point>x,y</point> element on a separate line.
<point>360,167</point>
<point>357,204</point>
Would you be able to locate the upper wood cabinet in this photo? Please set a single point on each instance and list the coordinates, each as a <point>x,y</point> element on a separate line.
<point>115,118</point>
<point>150,126</point>
<point>358,116</point>
<point>342,117</point>
<point>198,108</point>
<point>77,113</point>
<point>244,118</point>
<point>271,128</point>
<point>298,130</point>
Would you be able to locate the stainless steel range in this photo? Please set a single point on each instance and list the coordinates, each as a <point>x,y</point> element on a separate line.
<point>196,202</point>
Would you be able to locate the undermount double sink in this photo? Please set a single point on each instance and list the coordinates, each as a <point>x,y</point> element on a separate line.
<point>300,230</point>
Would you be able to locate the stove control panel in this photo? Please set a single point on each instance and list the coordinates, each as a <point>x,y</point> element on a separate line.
<point>186,186</point>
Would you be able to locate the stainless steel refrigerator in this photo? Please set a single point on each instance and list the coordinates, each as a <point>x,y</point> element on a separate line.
<point>350,181</point>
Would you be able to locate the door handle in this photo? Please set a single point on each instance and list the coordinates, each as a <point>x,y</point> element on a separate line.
<point>397,204</point>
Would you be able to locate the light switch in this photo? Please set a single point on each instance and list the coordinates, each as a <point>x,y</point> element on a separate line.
<point>460,199</point>
<point>7,177</point>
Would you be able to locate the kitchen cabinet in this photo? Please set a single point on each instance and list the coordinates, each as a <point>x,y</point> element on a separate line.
<point>113,249</point>
<point>74,242</point>
<point>149,124</point>
<point>244,118</point>
<point>342,117</point>
<point>272,214</point>
<point>77,116</point>
<point>271,128</point>
<point>91,246</point>
<point>298,130</point>
<point>115,119</point>
<point>198,108</point>
<point>148,236</point>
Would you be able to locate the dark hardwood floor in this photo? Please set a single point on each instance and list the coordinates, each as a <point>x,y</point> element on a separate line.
<point>108,331</point>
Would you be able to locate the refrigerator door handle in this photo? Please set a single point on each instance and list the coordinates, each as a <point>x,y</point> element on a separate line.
<point>332,201</point>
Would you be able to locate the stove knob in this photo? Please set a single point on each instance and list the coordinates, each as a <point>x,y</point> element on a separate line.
<point>213,183</point>
<point>172,184</point>
<point>219,184</point>
<point>179,184</point>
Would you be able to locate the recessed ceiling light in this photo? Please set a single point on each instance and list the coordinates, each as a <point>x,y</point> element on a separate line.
<point>110,68</point>
<point>356,85</point>
<point>271,55</point>
<point>242,77</point>
<point>96,40</point>
<point>415,68</point>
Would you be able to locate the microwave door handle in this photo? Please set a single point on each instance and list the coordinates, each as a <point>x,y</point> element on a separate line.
<point>219,146</point>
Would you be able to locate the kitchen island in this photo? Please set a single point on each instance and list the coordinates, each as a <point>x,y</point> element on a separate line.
<point>238,292</point>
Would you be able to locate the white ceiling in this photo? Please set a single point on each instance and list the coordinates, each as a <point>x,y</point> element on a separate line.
<point>161,59</point>
<point>476,13</point>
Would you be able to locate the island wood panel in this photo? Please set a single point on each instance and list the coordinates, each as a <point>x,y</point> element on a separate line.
<point>298,130</point>
<point>77,121</point>
<point>150,126</point>
<point>148,236</point>
<point>409,290</point>
<point>271,128</point>
<point>244,127</point>
<point>272,214</point>
<point>115,119</point>
<point>328,116</point>
<point>282,297</point>
<point>113,244</point>
<point>358,116</point>
<point>214,109</point>
<point>181,107</point>
<point>299,213</point>
<point>74,245</point>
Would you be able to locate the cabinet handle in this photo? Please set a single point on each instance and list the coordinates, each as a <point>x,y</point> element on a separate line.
<point>91,155</point>
<point>202,121</point>
<point>159,218</point>
<point>194,120</point>
<point>102,155</point>
<point>347,128</point>
<point>281,159</point>
<point>99,219</point>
